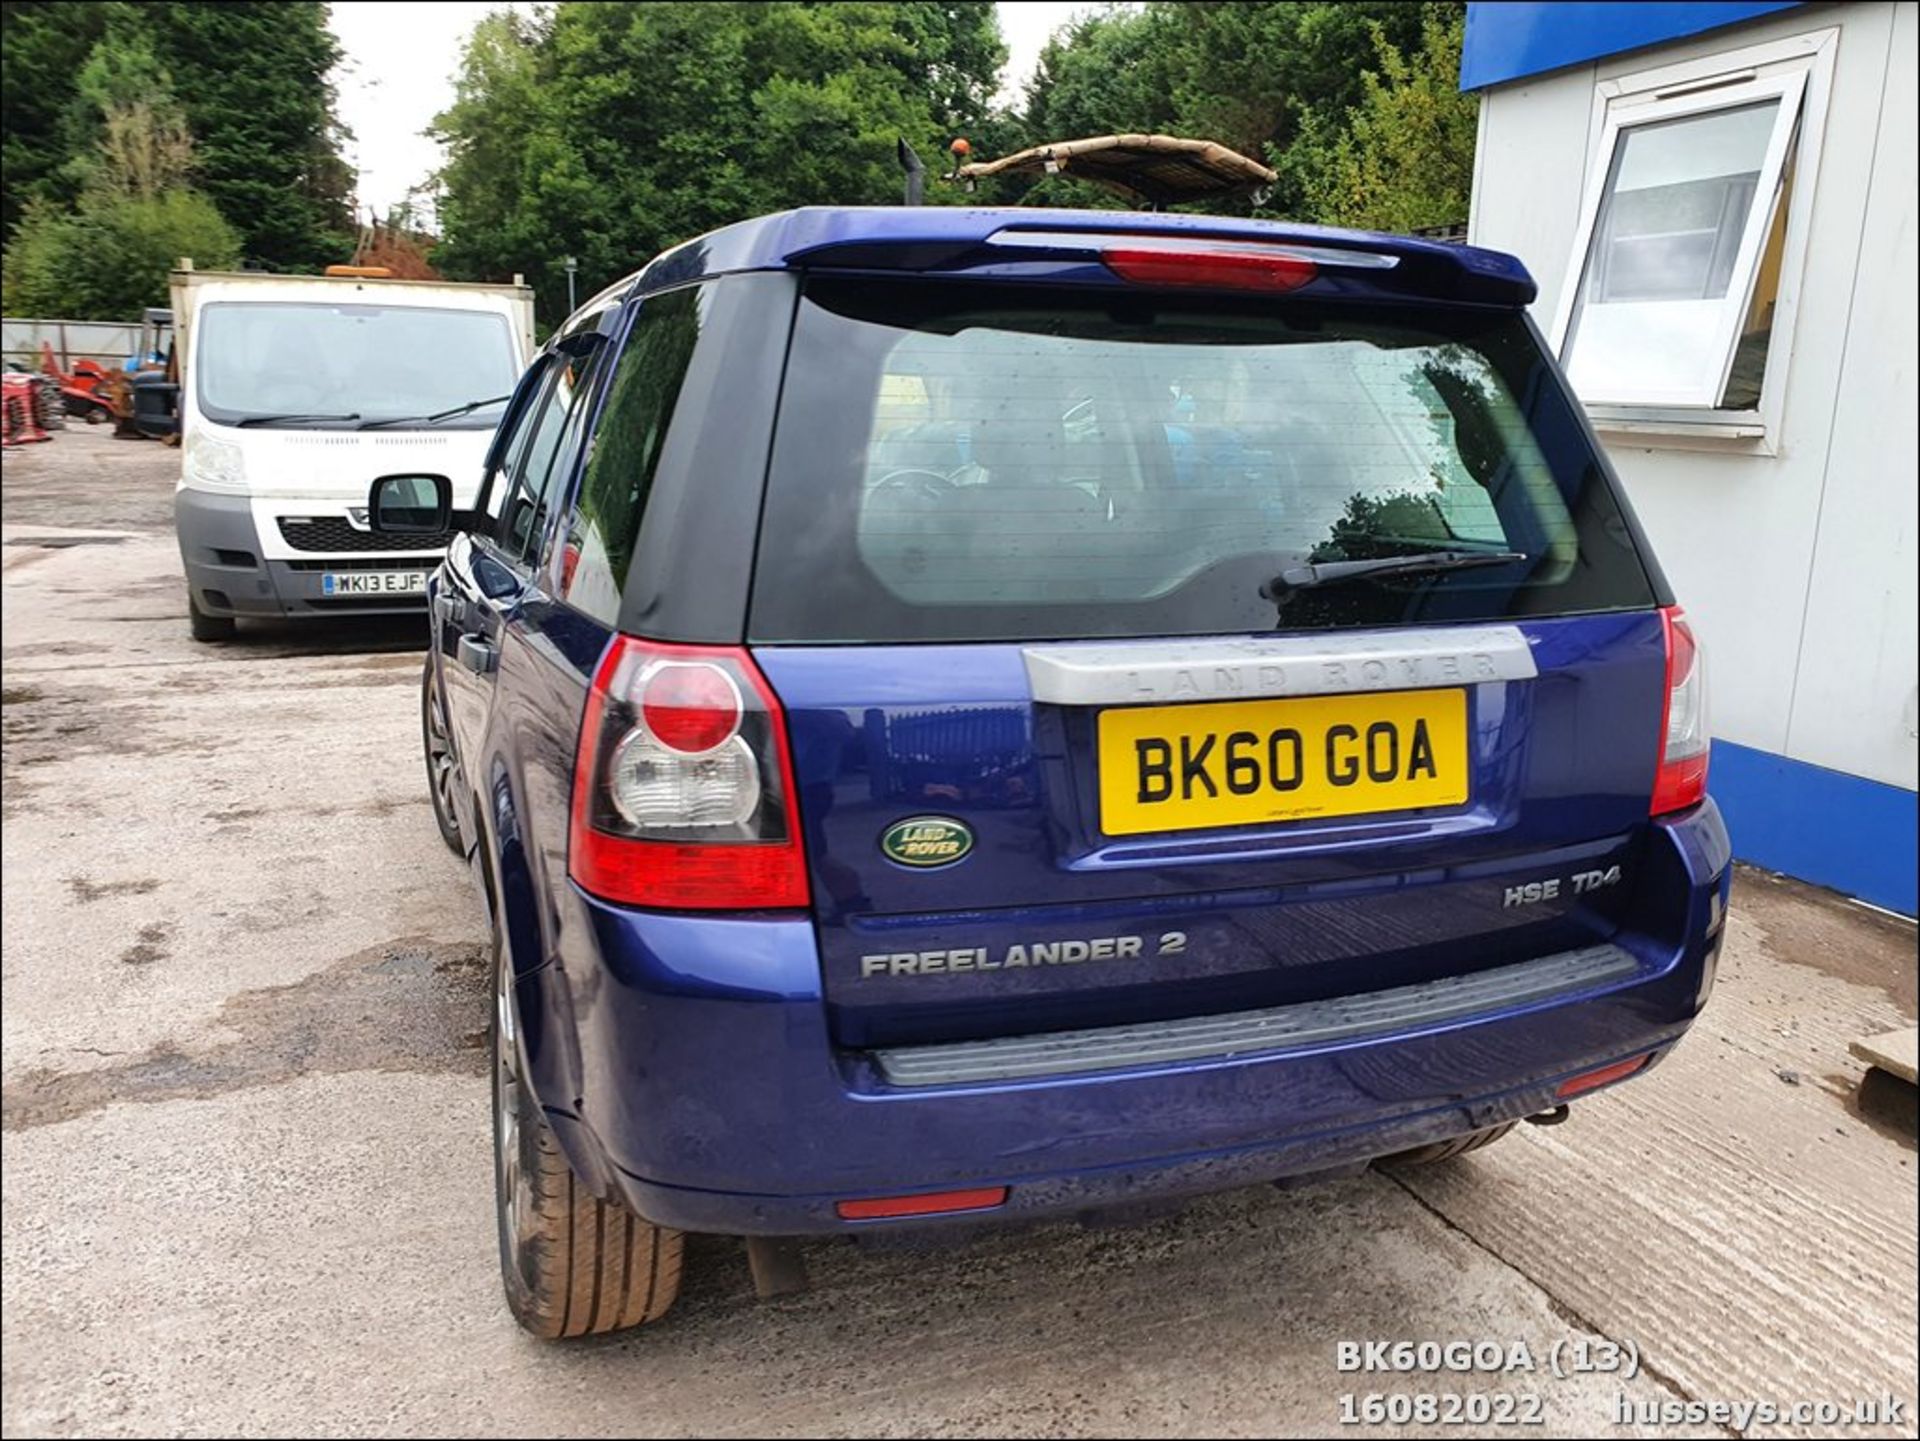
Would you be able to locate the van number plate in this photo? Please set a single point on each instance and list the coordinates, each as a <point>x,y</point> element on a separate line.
<point>1240,763</point>
<point>374,582</point>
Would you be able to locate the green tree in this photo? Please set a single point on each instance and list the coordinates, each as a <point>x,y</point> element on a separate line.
<point>109,256</point>
<point>251,84</point>
<point>43,45</point>
<point>137,142</point>
<point>252,77</point>
<point>1254,76</point>
<point>611,132</point>
<point>1403,157</point>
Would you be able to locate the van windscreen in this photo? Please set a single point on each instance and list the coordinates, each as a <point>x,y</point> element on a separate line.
<point>376,362</point>
<point>969,461</point>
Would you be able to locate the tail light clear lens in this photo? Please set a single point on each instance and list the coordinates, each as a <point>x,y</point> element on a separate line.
<point>682,796</point>
<point>1684,743</point>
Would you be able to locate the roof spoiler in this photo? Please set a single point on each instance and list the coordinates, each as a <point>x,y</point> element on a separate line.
<point>1399,264</point>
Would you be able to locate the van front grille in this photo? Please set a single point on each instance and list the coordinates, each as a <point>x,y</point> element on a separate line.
<point>334,533</point>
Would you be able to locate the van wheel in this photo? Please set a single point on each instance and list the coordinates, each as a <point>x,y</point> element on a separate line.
<point>572,1265</point>
<point>1447,1150</point>
<point>206,627</point>
<point>439,749</point>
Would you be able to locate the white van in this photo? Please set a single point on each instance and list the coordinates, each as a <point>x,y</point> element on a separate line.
<point>296,392</point>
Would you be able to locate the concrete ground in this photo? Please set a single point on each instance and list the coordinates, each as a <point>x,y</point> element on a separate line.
<point>247,1182</point>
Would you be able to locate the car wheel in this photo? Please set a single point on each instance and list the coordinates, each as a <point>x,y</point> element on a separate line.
<point>572,1265</point>
<point>204,627</point>
<point>439,750</point>
<point>1447,1150</point>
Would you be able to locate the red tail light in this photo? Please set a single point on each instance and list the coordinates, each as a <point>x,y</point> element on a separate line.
<point>690,706</point>
<point>683,787</point>
<point>1249,267</point>
<point>1682,778</point>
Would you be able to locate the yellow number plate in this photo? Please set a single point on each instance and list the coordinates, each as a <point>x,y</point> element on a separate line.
<point>1239,763</point>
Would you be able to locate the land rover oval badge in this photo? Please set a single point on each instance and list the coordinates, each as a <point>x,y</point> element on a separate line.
<point>927,841</point>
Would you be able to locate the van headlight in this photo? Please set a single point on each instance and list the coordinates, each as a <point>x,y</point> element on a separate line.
<point>209,463</point>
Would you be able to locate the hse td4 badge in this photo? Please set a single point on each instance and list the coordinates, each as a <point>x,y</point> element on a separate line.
<point>927,841</point>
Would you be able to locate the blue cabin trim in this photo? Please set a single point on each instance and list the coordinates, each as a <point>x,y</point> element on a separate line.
<point>1511,39</point>
<point>1824,826</point>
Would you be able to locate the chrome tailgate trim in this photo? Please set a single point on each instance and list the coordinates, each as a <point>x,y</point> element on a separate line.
<point>1157,671</point>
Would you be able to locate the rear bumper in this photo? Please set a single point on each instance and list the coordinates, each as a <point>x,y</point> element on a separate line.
<point>221,553</point>
<point>712,1098</point>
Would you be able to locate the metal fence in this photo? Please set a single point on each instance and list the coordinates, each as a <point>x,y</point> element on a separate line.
<point>108,342</point>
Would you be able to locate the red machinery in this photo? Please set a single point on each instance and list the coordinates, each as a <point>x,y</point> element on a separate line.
<point>82,389</point>
<point>21,422</point>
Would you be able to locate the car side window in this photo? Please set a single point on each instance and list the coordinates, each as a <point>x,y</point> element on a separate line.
<point>625,452</point>
<point>536,475</point>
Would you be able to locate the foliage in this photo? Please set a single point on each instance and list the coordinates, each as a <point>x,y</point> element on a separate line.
<point>140,142</point>
<point>252,76</point>
<point>249,85</point>
<point>611,132</point>
<point>1256,76</point>
<point>109,256</point>
<point>1404,156</point>
<point>43,45</point>
<point>106,255</point>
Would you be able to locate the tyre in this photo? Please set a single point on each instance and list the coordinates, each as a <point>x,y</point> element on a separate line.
<point>572,1265</point>
<point>1447,1150</point>
<point>206,627</point>
<point>438,745</point>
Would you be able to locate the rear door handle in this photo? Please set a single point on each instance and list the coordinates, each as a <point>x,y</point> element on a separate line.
<point>477,654</point>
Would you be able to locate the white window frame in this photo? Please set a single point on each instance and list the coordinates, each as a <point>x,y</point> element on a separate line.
<point>1799,67</point>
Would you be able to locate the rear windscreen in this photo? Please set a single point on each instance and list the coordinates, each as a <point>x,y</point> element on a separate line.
<point>980,462</point>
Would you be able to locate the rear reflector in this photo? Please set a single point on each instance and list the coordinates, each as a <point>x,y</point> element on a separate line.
<point>1242,268</point>
<point>933,1203</point>
<point>1606,1075</point>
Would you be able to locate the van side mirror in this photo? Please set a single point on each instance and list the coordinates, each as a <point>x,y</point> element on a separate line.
<point>410,505</point>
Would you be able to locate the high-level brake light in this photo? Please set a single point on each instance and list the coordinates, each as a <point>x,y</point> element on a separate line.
<point>1249,268</point>
<point>1195,260</point>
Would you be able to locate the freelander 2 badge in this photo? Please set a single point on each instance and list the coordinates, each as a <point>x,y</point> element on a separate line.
<point>927,841</point>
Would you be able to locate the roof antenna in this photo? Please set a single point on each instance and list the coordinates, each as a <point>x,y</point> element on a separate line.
<point>916,173</point>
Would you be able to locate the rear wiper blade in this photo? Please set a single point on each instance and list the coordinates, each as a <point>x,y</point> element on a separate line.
<point>437,416</point>
<point>1307,575</point>
<point>289,419</point>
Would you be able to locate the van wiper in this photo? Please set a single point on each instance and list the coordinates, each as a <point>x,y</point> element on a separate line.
<point>1307,575</point>
<point>289,419</point>
<point>436,417</point>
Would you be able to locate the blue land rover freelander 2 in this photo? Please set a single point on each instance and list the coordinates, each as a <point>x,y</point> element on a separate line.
<point>963,716</point>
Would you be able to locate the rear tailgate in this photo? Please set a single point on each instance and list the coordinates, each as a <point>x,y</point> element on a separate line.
<point>1019,581</point>
<point>1049,923</point>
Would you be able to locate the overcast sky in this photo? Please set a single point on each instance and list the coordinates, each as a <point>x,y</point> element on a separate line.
<point>401,57</point>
